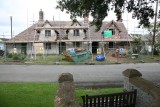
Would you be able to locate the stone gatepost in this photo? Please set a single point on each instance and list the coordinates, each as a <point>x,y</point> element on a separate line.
<point>65,96</point>
<point>148,95</point>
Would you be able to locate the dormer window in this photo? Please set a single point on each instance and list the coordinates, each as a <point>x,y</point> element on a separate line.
<point>47,33</point>
<point>76,32</point>
<point>113,31</point>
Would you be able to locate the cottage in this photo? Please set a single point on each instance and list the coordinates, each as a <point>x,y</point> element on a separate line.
<point>54,37</point>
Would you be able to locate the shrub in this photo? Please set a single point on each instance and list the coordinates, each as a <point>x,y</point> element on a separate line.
<point>18,56</point>
<point>15,57</point>
<point>9,55</point>
<point>156,52</point>
<point>22,56</point>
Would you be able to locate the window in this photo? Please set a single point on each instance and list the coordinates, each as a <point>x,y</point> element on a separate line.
<point>113,31</point>
<point>76,44</point>
<point>47,33</point>
<point>76,32</point>
<point>48,46</point>
<point>85,33</point>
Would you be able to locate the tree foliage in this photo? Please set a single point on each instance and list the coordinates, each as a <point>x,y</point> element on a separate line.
<point>150,28</point>
<point>143,10</point>
<point>149,37</point>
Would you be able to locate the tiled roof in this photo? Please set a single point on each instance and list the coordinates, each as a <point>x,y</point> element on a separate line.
<point>28,35</point>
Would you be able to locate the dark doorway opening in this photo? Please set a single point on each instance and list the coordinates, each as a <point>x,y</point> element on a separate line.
<point>24,48</point>
<point>94,47</point>
<point>111,44</point>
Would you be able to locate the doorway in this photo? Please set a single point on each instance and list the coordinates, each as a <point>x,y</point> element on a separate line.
<point>95,45</point>
<point>24,48</point>
<point>62,47</point>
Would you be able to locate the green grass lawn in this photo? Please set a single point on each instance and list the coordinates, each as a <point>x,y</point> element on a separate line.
<point>38,94</point>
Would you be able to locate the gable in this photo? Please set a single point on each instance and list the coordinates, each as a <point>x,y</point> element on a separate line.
<point>46,24</point>
<point>75,23</point>
<point>112,25</point>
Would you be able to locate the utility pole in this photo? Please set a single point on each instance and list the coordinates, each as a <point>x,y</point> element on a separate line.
<point>154,31</point>
<point>11,26</point>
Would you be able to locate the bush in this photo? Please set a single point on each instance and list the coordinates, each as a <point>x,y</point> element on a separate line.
<point>22,56</point>
<point>17,56</point>
<point>156,52</point>
<point>9,55</point>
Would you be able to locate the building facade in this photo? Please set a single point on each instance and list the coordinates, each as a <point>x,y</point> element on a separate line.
<point>54,37</point>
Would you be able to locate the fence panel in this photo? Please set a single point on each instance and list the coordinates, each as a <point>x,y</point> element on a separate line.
<point>124,99</point>
<point>54,54</point>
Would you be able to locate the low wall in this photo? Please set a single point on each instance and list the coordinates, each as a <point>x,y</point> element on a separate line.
<point>148,95</point>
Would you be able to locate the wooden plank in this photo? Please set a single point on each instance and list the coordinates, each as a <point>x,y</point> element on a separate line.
<point>123,104</point>
<point>107,101</point>
<point>95,101</point>
<point>134,100</point>
<point>86,100</point>
<point>120,100</point>
<point>102,101</point>
<point>90,102</point>
<point>99,101</point>
<point>127,98</point>
<point>116,100</point>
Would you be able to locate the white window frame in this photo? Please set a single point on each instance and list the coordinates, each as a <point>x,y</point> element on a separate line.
<point>47,33</point>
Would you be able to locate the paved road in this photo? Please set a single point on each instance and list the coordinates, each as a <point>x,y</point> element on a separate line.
<point>82,73</point>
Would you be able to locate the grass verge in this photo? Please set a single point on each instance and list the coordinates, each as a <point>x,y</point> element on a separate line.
<point>38,94</point>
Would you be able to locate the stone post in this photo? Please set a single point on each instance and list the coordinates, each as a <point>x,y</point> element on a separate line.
<point>148,95</point>
<point>65,96</point>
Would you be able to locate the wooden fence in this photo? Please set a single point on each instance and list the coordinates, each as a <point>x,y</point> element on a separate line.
<point>124,99</point>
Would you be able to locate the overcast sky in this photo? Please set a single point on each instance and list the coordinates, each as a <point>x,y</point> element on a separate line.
<point>24,12</point>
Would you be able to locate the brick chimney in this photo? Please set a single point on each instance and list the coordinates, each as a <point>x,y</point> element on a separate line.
<point>41,15</point>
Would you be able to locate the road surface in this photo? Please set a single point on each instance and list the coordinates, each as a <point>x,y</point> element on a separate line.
<point>87,74</point>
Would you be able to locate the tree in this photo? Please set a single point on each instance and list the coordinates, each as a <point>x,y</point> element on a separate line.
<point>143,10</point>
<point>149,36</point>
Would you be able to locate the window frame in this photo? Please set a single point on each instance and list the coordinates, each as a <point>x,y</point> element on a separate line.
<point>47,33</point>
<point>76,32</point>
<point>48,46</point>
<point>77,44</point>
